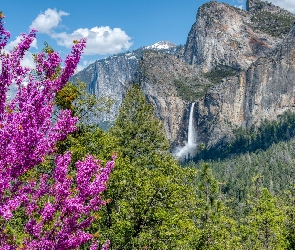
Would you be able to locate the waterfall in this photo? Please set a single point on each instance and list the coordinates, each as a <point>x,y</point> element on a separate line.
<point>191,129</point>
<point>190,145</point>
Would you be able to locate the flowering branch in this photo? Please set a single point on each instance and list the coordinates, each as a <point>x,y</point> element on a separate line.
<point>27,135</point>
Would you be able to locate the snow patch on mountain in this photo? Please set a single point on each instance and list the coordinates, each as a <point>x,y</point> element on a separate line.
<point>161,45</point>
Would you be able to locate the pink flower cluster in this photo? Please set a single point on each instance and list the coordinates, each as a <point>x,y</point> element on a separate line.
<point>69,210</point>
<point>27,135</point>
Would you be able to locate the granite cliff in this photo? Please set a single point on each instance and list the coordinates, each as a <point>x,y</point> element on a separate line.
<point>237,66</point>
<point>262,92</point>
<point>170,85</point>
<point>110,77</point>
<point>230,38</point>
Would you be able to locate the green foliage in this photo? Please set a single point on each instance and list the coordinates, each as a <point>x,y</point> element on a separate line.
<point>191,90</point>
<point>90,140</point>
<point>217,230</point>
<point>47,48</point>
<point>264,227</point>
<point>140,135</point>
<point>289,208</point>
<point>275,24</point>
<point>150,196</point>
<point>220,72</point>
<point>87,107</point>
<point>14,228</point>
<point>148,208</point>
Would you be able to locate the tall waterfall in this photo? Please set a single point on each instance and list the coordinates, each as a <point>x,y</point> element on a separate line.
<point>190,145</point>
<point>191,130</point>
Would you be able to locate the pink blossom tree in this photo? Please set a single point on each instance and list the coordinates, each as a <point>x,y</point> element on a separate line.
<point>58,208</point>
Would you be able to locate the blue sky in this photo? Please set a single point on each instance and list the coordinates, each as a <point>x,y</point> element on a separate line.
<point>112,26</point>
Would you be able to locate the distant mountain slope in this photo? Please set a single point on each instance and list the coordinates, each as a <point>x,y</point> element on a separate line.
<point>275,165</point>
<point>109,77</point>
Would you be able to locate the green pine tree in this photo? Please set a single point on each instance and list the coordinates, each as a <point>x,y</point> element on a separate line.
<point>140,134</point>
<point>290,216</point>
<point>150,196</point>
<point>264,226</point>
<point>217,230</point>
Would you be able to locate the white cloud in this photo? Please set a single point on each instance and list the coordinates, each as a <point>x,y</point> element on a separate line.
<point>100,40</point>
<point>286,4</point>
<point>48,20</point>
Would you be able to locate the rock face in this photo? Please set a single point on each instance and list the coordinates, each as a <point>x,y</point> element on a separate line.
<point>227,36</point>
<point>170,85</point>
<point>268,18</point>
<point>262,92</point>
<point>257,6</point>
<point>110,77</point>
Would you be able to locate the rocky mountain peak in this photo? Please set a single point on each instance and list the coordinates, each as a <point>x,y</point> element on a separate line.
<point>227,37</point>
<point>254,6</point>
<point>270,19</point>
